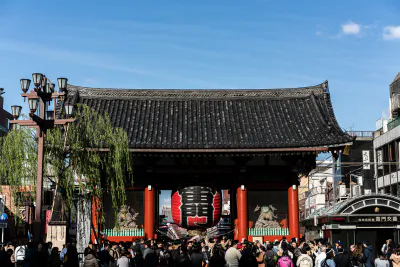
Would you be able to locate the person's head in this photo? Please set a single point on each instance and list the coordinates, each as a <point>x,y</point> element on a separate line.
<point>284,246</point>
<point>49,245</point>
<point>323,249</point>
<point>90,244</point>
<point>329,253</point>
<point>381,255</point>
<point>54,251</point>
<point>352,248</point>
<point>269,247</point>
<point>196,247</point>
<point>340,249</point>
<point>267,242</point>
<point>285,253</point>
<point>294,244</point>
<point>184,250</point>
<point>388,241</point>
<point>40,246</point>
<point>235,243</point>
<point>306,249</point>
<point>147,244</point>
<point>365,244</point>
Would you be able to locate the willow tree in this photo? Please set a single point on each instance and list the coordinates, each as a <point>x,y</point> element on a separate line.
<point>89,157</point>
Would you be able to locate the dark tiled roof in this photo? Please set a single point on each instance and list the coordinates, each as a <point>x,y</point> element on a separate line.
<point>396,78</point>
<point>219,119</point>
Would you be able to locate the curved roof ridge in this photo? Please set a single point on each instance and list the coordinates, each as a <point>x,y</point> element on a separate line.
<point>396,78</point>
<point>200,93</point>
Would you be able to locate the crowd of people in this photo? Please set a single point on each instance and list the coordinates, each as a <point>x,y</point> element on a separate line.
<point>198,252</point>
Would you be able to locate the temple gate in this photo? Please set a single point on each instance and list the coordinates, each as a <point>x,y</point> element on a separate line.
<point>254,143</point>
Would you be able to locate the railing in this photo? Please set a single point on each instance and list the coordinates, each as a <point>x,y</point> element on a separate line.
<point>362,134</point>
<point>268,231</point>
<point>393,123</point>
<point>124,232</point>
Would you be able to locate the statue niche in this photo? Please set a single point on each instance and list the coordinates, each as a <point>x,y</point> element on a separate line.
<point>267,217</point>
<point>127,217</point>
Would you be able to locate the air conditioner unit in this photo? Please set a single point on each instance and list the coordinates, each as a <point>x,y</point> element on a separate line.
<point>367,191</point>
<point>342,190</point>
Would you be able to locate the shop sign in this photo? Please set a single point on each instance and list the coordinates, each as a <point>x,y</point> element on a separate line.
<point>366,161</point>
<point>374,219</point>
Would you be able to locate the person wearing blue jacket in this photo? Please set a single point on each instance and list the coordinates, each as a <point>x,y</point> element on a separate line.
<point>368,255</point>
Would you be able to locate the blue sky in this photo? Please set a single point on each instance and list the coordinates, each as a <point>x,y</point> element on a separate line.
<point>209,44</point>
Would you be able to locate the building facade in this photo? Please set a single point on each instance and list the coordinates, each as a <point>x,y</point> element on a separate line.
<point>386,146</point>
<point>5,116</point>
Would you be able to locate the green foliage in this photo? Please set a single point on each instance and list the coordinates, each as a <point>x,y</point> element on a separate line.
<point>18,162</point>
<point>89,155</point>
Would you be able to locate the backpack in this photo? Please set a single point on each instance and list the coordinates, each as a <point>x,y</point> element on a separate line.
<point>111,258</point>
<point>20,253</point>
<point>324,263</point>
<point>286,262</point>
<point>269,259</point>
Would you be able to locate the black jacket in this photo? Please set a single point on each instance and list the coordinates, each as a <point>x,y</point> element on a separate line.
<point>368,257</point>
<point>196,259</point>
<point>342,260</point>
<point>183,261</point>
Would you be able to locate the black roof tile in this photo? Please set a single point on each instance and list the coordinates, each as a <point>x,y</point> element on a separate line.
<point>219,119</point>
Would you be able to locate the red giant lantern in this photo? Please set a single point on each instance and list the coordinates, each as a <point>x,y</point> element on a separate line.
<point>195,206</point>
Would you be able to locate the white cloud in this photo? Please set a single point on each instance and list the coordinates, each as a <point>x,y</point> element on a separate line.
<point>167,201</point>
<point>351,28</point>
<point>391,32</point>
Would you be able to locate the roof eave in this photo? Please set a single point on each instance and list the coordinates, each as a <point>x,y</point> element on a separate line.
<point>237,150</point>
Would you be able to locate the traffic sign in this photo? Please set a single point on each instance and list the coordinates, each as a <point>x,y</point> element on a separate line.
<point>3,225</point>
<point>3,217</point>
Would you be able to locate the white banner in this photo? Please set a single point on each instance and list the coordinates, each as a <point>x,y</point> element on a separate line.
<point>380,159</point>
<point>366,160</point>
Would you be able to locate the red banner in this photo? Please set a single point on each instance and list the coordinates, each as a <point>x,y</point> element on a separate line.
<point>48,216</point>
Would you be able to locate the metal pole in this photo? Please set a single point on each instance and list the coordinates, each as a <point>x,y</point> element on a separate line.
<point>376,172</point>
<point>390,169</point>
<point>37,235</point>
<point>309,196</point>
<point>2,236</point>
<point>334,179</point>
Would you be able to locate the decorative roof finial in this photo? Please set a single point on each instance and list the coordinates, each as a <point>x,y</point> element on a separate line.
<point>325,86</point>
<point>2,91</point>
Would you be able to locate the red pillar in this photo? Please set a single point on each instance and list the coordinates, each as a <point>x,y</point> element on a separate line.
<point>242,213</point>
<point>293,203</point>
<point>149,212</point>
<point>95,220</point>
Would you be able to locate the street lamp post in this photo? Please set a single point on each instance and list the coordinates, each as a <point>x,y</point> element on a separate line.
<point>41,95</point>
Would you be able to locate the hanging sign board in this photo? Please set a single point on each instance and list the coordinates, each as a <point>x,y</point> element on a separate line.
<point>366,161</point>
<point>380,159</point>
